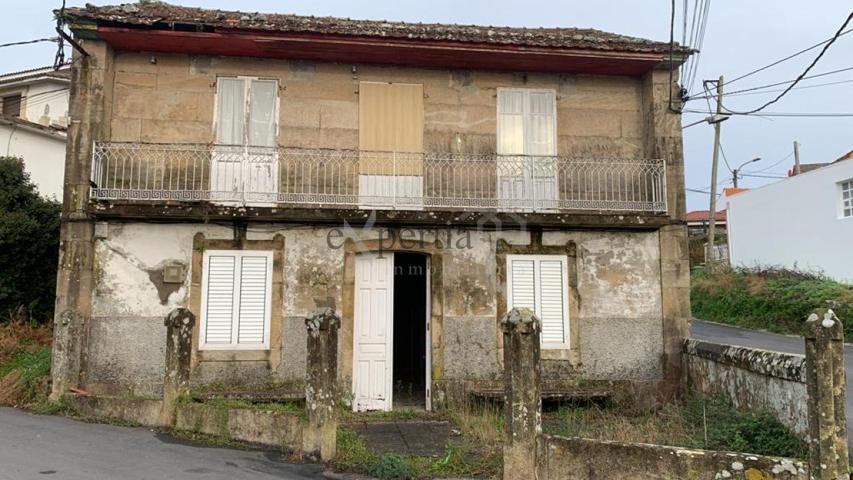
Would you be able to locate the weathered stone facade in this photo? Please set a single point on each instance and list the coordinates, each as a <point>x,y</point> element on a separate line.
<point>628,273</point>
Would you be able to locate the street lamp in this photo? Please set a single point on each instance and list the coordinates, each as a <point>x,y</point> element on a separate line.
<point>734,172</point>
<point>711,120</point>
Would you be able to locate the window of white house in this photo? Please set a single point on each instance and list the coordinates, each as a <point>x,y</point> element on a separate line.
<point>11,105</point>
<point>540,283</point>
<point>236,291</point>
<point>847,198</point>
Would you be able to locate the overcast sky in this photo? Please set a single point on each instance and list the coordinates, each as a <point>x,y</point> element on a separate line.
<point>741,36</point>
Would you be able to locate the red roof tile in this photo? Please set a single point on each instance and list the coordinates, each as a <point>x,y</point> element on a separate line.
<point>162,14</point>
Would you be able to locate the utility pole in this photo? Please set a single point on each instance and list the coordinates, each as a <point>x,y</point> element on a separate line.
<point>796,157</point>
<point>712,214</point>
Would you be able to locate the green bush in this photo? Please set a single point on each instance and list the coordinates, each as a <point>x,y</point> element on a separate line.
<point>390,467</point>
<point>777,300</point>
<point>29,246</point>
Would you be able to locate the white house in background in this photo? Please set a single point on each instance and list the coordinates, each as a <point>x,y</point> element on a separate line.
<point>33,123</point>
<point>803,222</point>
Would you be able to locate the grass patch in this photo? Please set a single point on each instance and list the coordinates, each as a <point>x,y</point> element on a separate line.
<point>776,300</point>
<point>710,423</point>
<point>206,439</point>
<point>24,363</point>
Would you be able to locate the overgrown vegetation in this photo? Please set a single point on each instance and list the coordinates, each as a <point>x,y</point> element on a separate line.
<point>24,363</point>
<point>698,422</point>
<point>773,299</point>
<point>475,454</point>
<point>29,247</point>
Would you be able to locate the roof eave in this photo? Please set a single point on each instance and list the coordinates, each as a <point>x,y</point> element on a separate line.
<point>377,50</point>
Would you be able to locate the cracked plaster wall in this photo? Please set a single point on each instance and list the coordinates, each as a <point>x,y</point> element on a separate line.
<point>619,287</point>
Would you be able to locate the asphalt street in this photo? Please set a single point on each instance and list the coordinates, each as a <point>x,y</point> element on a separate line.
<point>54,448</point>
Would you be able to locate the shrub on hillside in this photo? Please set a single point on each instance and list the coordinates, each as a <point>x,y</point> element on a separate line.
<point>29,246</point>
<point>774,299</point>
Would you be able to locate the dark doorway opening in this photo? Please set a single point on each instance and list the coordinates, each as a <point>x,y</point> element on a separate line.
<point>410,309</point>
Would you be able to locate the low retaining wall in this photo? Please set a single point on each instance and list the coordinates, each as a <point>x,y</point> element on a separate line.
<point>563,458</point>
<point>142,411</point>
<point>753,379</point>
<point>259,427</point>
<point>266,428</point>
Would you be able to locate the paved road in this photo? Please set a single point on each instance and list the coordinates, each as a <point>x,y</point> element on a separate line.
<point>57,448</point>
<point>717,333</point>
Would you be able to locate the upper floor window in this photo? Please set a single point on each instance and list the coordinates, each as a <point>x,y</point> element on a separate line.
<point>12,105</point>
<point>527,122</point>
<point>246,111</point>
<point>847,198</point>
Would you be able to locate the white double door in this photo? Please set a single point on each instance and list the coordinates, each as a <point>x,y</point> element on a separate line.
<point>373,335</point>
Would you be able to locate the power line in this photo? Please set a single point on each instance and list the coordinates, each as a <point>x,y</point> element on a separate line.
<point>765,92</point>
<point>777,62</point>
<point>771,166</point>
<point>27,42</point>
<point>783,114</point>
<point>751,89</point>
<point>805,72</point>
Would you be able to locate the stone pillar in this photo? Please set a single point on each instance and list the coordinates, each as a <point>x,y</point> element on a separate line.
<point>662,140</point>
<point>179,341</point>
<point>826,384</point>
<point>523,408</point>
<point>91,90</point>
<point>319,437</point>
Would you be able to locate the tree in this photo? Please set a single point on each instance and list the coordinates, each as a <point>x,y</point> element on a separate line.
<point>29,245</point>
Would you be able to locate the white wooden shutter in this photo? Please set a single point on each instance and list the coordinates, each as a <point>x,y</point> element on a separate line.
<point>254,299</point>
<point>219,299</point>
<point>552,301</point>
<point>236,291</point>
<point>522,284</point>
<point>539,282</point>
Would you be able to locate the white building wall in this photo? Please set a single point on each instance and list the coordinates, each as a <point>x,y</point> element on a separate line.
<point>44,157</point>
<point>46,99</point>
<point>795,223</point>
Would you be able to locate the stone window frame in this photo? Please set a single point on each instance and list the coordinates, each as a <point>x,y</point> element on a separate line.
<point>272,355</point>
<point>535,247</point>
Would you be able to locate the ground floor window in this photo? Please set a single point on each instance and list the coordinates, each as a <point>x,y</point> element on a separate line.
<point>540,283</point>
<point>236,292</point>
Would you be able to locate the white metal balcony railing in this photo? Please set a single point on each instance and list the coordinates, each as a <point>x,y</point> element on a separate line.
<point>317,178</point>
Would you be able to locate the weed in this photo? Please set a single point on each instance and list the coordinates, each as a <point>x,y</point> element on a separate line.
<point>698,422</point>
<point>390,466</point>
<point>773,299</point>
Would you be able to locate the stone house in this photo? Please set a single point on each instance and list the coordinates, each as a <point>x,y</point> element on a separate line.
<point>419,179</point>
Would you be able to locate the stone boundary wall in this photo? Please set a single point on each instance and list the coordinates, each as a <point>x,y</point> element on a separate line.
<point>563,458</point>
<point>279,430</point>
<point>753,379</point>
<point>263,428</point>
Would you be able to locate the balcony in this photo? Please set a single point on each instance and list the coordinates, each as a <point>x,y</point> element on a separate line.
<point>318,178</point>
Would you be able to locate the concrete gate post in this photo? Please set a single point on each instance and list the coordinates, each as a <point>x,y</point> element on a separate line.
<point>826,386</point>
<point>523,408</point>
<point>176,382</point>
<point>320,435</point>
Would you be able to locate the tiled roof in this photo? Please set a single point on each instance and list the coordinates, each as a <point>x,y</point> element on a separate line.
<point>63,73</point>
<point>160,13</point>
<point>702,216</point>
